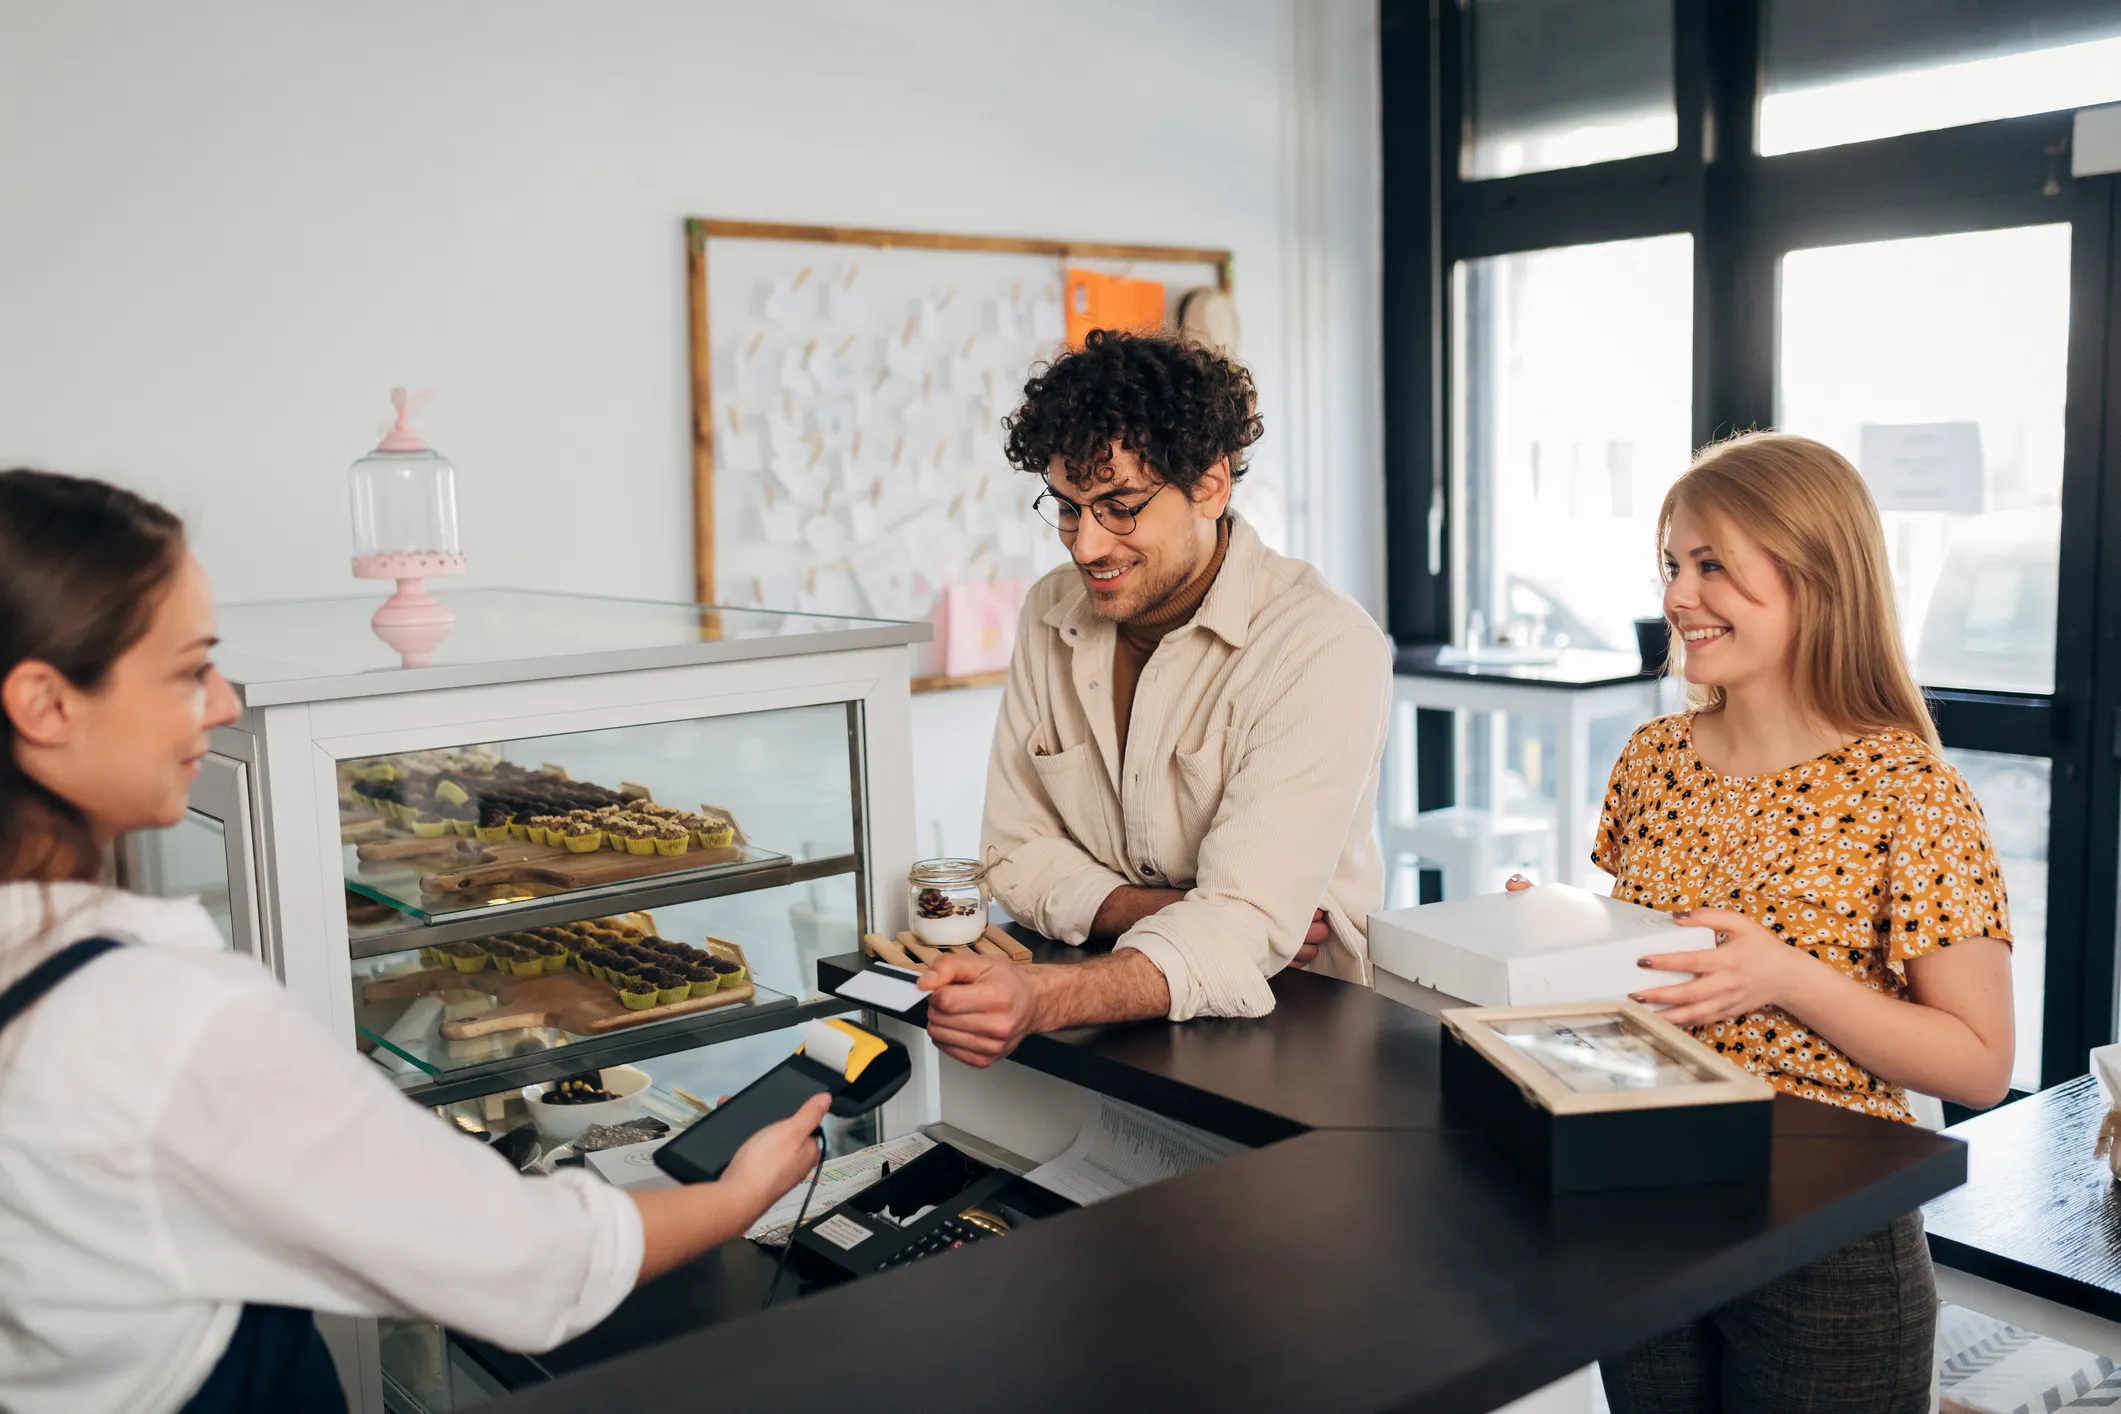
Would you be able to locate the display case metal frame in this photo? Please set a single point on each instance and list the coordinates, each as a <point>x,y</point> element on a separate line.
<point>297,746</point>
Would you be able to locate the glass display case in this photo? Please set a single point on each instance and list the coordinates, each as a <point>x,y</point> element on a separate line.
<point>591,836</point>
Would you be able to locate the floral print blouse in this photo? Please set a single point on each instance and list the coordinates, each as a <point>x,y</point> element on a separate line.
<point>1864,857</point>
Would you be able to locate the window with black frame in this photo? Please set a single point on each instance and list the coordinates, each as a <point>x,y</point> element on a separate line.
<point>1617,229</point>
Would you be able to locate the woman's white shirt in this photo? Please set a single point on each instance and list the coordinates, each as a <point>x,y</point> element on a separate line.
<point>178,1138</point>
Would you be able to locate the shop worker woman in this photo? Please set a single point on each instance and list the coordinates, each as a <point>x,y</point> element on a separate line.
<point>1802,809</point>
<point>188,1164</point>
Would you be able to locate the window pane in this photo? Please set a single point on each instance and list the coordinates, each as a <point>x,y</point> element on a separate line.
<point>1558,83</point>
<point>1936,365</point>
<point>2013,795</point>
<point>1573,417</point>
<point>1840,72</point>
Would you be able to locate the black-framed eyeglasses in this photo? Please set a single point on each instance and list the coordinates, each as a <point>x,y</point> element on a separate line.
<point>1112,513</point>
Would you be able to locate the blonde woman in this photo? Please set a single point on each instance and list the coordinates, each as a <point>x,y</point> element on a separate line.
<point>1801,807</point>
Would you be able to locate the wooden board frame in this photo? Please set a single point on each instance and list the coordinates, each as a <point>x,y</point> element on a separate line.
<point>1730,1085</point>
<point>700,230</point>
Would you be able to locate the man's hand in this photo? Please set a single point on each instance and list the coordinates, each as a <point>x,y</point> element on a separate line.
<point>1314,938</point>
<point>979,1007</point>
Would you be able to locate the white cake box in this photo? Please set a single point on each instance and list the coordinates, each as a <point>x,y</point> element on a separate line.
<point>1546,944</point>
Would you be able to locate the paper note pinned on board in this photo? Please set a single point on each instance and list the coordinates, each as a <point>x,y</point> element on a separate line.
<point>786,304</point>
<point>826,536</point>
<point>837,421</point>
<point>825,369</point>
<point>932,481</point>
<point>794,377</point>
<point>754,370</point>
<point>906,360</point>
<point>739,452</point>
<point>964,376</point>
<point>845,305</point>
<point>782,436</point>
<point>781,523</point>
<point>927,319</point>
<point>864,520</point>
<point>885,576</point>
<point>1048,324</point>
<point>802,473</point>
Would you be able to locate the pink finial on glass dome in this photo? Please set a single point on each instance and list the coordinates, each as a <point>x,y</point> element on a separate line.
<point>400,437</point>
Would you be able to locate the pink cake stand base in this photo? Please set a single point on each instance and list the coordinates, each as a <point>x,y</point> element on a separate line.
<point>412,621</point>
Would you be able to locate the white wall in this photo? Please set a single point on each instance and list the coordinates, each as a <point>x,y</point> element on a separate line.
<point>228,227</point>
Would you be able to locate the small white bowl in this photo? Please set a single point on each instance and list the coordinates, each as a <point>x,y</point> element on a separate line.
<point>563,1124</point>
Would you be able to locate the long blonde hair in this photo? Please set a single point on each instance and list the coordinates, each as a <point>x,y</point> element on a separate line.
<point>1809,510</point>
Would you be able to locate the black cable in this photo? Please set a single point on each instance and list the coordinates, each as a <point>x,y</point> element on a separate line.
<point>773,1287</point>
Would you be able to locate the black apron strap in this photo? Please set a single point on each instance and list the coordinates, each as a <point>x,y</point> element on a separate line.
<point>30,988</point>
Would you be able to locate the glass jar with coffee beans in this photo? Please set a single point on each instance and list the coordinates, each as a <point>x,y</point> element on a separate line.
<point>947,899</point>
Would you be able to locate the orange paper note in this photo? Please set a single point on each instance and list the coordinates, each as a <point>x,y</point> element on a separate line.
<point>1097,301</point>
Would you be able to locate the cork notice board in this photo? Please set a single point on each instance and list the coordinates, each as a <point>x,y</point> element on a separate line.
<point>848,390</point>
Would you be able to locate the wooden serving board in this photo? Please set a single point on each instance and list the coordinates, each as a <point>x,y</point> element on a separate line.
<point>439,852</point>
<point>520,862</point>
<point>570,1000</point>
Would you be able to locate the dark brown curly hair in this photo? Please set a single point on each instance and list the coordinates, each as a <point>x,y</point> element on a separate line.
<point>1178,406</point>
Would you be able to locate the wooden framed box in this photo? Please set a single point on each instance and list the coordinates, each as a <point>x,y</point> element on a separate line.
<point>1597,1095</point>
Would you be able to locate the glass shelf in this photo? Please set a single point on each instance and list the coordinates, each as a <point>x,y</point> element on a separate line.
<point>417,1055</point>
<point>399,887</point>
<point>435,1081</point>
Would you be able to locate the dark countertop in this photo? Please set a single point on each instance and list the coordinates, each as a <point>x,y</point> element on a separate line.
<point>1374,1254</point>
<point>1252,1080</point>
<point>1577,668</point>
<point>2039,1211</point>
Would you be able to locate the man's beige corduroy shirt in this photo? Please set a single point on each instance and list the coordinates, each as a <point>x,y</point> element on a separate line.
<point>1250,778</point>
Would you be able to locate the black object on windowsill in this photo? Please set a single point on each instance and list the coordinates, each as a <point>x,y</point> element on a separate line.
<point>1653,640</point>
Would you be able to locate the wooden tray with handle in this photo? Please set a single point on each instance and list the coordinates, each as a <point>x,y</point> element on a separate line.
<point>911,953</point>
<point>441,852</point>
<point>570,1000</point>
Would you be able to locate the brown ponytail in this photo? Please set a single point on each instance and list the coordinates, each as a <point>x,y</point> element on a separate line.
<point>82,567</point>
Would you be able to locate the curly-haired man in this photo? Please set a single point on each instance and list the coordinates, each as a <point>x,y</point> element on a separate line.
<point>1186,760</point>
